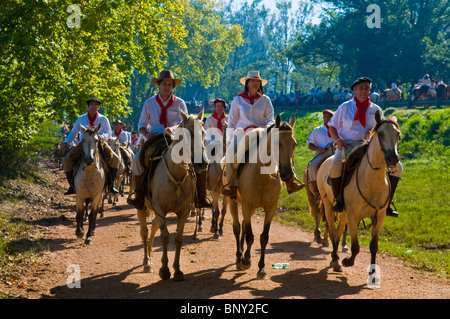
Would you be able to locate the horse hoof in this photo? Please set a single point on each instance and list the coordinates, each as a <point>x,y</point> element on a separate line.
<point>200,229</point>
<point>79,233</point>
<point>164,273</point>
<point>346,262</point>
<point>216,236</point>
<point>243,266</point>
<point>261,275</point>
<point>88,241</point>
<point>337,267</point>
<point>345,249</point>
<point>325,243</point>
<point>178,276</point>
<point>148,269</point>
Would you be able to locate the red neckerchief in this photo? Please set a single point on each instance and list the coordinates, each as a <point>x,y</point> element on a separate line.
<point>117,133</point>
<point>219,120</point>
<point>92,120</point>
<point>251,99</point>
<point>134,140</point>
<point>163,116</point>
<point>361,112</point>
<point>328,128</point>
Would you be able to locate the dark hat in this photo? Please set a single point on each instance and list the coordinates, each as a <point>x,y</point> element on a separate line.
<point>220,100</point>
<point>94,99</point>
<point>328,111</point>
<point>360,80</point>
<point>166,74</point>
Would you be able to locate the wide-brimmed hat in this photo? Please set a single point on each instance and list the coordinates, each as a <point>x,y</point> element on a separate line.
<point>360,80</point>
<point>94,99</point>
<point>118,122</point>
<point>253,75</point>
<point>220,100</point>
<point>166,74</point>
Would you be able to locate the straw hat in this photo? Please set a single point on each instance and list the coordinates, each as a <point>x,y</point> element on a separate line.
<point>253,75</point>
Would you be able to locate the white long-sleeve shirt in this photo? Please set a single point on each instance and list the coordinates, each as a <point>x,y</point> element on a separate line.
<point>151,111</point>
<point>319,137</point>
<point>243,114</point>
<point>104,132</point>
<point>350,129</point>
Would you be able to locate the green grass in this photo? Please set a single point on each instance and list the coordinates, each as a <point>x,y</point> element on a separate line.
<point>420,236</point>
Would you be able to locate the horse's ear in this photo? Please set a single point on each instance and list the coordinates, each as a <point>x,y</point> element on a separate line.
<point>184,116</point>
<point>98,127</point>
<point>378,116</point>
<point>292,121</point>
<point>395,119</point>
<point>200,115</point>
<point>278,121</point>
<point>83,129</point>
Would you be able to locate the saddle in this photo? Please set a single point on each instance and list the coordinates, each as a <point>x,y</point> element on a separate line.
<point>152,150</point>
<point>352,162</point>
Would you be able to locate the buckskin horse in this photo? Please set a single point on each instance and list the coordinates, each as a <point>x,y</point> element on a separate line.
<point>89,182</point>
<point>172,189</point>
<point>368,192</point>
<point>256,189</point>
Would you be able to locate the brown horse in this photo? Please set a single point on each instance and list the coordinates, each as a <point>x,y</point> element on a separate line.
<point>260,188</point>
<point>89,182</point>
<point>172,189</point>
<point>368,192</point>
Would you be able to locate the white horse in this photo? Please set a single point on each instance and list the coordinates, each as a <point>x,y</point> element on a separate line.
<point>89,182</point>
<point>368,192</point>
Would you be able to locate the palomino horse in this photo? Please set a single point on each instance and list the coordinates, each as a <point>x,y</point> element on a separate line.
<point>367,194</point>
<point>89,182</point>
<point>172,189</point>
<point>392,96</point>
<point>257,189</point>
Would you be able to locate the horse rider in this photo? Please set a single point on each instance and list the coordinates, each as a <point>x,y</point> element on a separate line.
<point>349,127</point>
<point>250,109</point>
<point>217,120</point>
<point>321,143</point>
<point>91,118</point>
<point>120,133</point>
<point>396,90</point>
<point>160,114</point>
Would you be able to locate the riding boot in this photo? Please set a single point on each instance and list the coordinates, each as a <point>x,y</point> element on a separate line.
<point>336,187</point>
<point>292,186</point>
<point>112,178</point>
<point>71,190</point>
<point>229,189</point>
<point>139,193</point>
<point>200,201</point>
<point>394,182</point>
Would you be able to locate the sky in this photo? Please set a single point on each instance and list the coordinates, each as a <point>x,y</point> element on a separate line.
<point>271,4</point>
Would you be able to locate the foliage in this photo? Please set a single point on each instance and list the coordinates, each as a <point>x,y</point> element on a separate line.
<point>402,50</point>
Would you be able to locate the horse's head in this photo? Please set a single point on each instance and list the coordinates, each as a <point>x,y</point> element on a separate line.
<point>388,133</point>
<point>195,132</point>
<point>286,147</point>
<point>90,141</point>
<point>114,143</point>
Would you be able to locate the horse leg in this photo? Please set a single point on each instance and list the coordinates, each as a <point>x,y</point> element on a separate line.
<point>249,237</point>
<point>344,241</point>
<point>142,215</point>
<point>79,232</point>
<point>95,208</point>
<point>201,213</point>
<point>164,271</point>
<point>236,231</point>
<point>182,216</point>
<point>353,228</point>
<point>335,263</point>
<point>264,239</point>
<point>155,227</point>
<point>223,213</point>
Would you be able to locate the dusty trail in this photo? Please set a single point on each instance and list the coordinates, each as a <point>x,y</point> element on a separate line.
<point>112,266</point>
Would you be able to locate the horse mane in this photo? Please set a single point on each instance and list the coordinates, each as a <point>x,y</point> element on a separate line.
<point>384,120</point>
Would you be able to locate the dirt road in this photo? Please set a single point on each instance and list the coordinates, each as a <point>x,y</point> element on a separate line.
<point>112,266</point>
